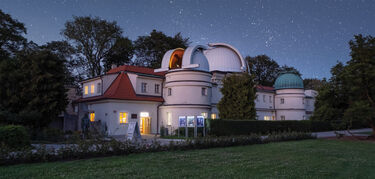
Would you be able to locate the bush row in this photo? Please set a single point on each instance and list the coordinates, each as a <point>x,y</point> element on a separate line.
<point>100,148</point>
<point>242,127</point>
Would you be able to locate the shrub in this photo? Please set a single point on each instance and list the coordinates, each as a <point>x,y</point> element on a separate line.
<point>49,134</point>
<point>241,127</point>
<point>100,147</point>
<point>14,136</point>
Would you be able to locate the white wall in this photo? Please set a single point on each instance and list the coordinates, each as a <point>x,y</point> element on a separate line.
<point>187,87</point>
<point>108,112</point>
<point>150,87</point>
<point>266,103</point>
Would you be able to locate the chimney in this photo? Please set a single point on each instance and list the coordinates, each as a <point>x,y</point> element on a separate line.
<point>113,66</point>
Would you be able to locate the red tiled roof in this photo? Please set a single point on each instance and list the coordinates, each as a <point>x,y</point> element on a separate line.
<point>121,88</point>
<point>135,69</point>
<point>265,88</point>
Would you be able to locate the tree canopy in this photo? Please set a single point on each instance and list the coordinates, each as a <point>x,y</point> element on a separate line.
<point>238,97</point>
<point>92,38</point>
<point>121,53</point>
<point>265,70</point>
<point>11,39</point>
<point>149,50</point>
<point>32,88</point>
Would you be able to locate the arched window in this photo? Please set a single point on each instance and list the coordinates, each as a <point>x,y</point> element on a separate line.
<point>176,59</point>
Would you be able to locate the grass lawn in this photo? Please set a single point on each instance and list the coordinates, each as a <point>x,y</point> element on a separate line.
<point>297,159</point>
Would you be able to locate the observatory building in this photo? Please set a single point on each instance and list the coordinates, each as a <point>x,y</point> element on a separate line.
<point>187,84</point>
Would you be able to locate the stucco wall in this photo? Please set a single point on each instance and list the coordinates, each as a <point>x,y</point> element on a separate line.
<point>186,88</point>
<point>150,87</point>
<point>108,112</point>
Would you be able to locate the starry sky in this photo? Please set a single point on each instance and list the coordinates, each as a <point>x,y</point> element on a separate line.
<point>311,35</point>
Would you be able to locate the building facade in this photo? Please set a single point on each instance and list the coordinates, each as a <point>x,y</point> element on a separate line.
<point>187,84</point>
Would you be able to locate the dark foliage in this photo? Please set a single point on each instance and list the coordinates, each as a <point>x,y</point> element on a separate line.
<point>93,38</point>
<point>263,68</point>
<point>14,137</point>
<point>238,97</point>
<point>121,53</point>
<point>11,39</point>
<point>313,83</point>
<point>149,50</point>
<point>32,91</point>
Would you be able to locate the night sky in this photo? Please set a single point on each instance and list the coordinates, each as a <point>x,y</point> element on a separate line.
<point>309,35</point>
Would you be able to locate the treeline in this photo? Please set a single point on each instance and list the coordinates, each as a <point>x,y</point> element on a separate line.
<point>349,95</point>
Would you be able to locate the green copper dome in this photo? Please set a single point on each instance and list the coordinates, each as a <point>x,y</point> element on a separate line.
<point>288,80</point>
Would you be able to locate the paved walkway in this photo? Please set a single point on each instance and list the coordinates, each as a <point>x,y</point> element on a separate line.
<point>344,132</point>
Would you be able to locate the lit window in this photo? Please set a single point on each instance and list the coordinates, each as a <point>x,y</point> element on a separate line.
<point>266,118</point>
<point>282,118</point>
<point>270,97</point>
<point>157,88</point>
<point>264,98</point>
<point>273,118</point>
<point>213,116</point>
<point>282,101</point>
<point>92,89</point>
<point>204,114</point>
<point>86,90</point>
<point>123,117</point>
<point>169,118</point>
<point>204,91</point>
<point>92,117</point>
<point>169,91</point>
<point>144,87</point>
<point>99,88</point>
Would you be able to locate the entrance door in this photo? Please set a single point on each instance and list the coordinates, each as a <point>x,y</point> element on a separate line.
<point>145,125</point>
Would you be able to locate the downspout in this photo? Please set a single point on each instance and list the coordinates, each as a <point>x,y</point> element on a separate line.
<point>157,110</point>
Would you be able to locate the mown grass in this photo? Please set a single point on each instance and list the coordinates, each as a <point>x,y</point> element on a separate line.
<point>297,159</point>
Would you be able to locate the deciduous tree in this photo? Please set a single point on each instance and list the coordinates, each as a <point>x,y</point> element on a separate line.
<point>149,50</point>
<point>93,38</point>
<point>121,53</point>
<point>11,39</point>
<point>263,68</point>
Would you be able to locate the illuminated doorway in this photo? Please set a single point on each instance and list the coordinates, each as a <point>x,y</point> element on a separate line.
<point>145,123</point>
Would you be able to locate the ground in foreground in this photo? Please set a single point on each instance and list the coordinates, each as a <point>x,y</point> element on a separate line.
<point>297,159</point>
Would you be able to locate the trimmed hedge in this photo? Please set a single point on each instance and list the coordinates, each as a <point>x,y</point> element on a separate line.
<point>245,127</point>
<point>14,136</point>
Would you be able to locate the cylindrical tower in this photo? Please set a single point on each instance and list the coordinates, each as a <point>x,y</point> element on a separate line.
<point>290,97</point>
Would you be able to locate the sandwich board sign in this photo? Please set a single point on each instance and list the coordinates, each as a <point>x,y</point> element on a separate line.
<point>133,132</point>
